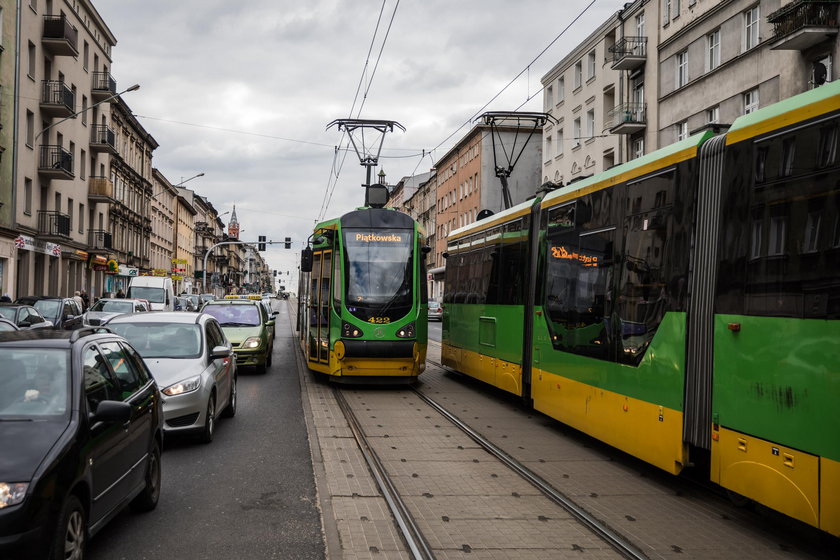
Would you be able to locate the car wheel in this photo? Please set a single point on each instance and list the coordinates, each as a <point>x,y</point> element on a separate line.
<point>71,532</point>
<point>206,435</point>
<point>147,499</point>
<point>230,410</point>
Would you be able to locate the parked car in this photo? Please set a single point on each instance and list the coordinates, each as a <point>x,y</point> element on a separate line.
<point>249,327</point>
<point>83,415</point>
<point>192,362</point>
<point>195,299</point>
<point>6,325</point>
<point>204,298</point>
<point>65,313</point>
<point>435,311</point>
<point>24,316</point>
<point>106,308</point>
<point>182,303</point>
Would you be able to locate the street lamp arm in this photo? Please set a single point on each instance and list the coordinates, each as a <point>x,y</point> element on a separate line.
<point>74,115</point>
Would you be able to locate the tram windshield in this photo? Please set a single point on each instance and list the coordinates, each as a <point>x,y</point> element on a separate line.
<point>378,273</point>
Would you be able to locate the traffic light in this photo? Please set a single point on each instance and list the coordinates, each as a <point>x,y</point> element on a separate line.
<point>288,242</point>
<point>261,243</point>
<point>275,273</point>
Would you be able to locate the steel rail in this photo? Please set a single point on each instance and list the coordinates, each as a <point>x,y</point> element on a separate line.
<point>416,542</point>
<point>618,542</point>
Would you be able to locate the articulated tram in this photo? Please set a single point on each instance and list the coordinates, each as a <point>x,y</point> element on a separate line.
<point>363,301</point>
<point>683,307</point>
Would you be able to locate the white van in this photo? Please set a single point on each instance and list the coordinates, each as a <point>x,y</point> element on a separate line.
<point>157,289</point>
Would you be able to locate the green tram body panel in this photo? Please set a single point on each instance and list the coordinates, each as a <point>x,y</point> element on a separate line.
<point>491,330</point>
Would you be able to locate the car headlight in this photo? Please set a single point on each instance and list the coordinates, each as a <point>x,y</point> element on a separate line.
<point>12,493</point>
<point>186,386</point>
<point>406,331</point>
<point>251,343</point>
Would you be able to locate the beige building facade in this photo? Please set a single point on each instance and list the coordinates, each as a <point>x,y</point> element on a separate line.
<point>162,207</point>
<point>8,82</point>
<point>182,264</point>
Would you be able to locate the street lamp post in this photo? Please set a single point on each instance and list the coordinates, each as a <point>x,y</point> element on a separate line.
<point>74,115</point>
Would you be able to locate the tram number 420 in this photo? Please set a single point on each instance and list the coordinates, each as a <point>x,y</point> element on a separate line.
<point>379,320</point>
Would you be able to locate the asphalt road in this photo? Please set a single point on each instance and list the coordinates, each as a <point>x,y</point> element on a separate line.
<point>250,494</point>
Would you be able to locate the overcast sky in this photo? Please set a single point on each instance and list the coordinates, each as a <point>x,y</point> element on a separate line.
<point>243,90</point>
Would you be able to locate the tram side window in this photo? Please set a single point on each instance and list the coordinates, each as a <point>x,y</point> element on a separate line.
<point>648,274</point>
<point>509,266</point>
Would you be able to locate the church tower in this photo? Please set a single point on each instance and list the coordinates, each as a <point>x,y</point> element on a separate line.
<point>233,225</point>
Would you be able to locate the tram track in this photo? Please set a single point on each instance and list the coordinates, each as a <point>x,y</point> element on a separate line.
<point>416,542</point>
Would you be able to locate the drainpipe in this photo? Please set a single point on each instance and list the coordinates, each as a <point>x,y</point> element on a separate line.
<point>15,135</point>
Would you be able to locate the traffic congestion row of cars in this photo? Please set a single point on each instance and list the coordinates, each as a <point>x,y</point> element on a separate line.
<point>84,412</point>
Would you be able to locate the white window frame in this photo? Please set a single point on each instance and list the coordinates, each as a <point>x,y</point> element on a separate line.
<point>666,12</point>
<point>682,68</point>
<point>561,89</point>
<point>713,114</point>
<point>576,131</point>
<point>640,24</point>
<point>590,124</point>
<point>590,65</point>
<point>578,74</point>
<point>752,18</point>
<point>751,102</point>
<point>549,97</point>
<point>638,147</point>
<point>560,142</point>
<point>713,50</point>
<point>682,130</point>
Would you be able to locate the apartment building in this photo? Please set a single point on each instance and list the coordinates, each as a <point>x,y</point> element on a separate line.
<point>184,242</point>
<point>466,182</point>
<point>8,81</point>
<point>208,231</point>
<point>64,71</point>
<point>720,60</point>
<point>131,147</point>
<point>419,203</point>
<point>162,211</point>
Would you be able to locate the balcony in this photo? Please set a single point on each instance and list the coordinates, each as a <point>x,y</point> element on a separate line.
<point>627,118</point>
<point>103,139</point>
<point>100,189</point>
<point>60,37</point>
<point>99,241</point>
<point>629,53</point>
<point>53,226</point>
<point>803,24</point>
<point>102,87</point>
<point>57,100</point>
<point>55,163</point>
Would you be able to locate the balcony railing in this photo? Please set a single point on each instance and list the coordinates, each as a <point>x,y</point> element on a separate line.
<point>53,224</point>
<point>627,118</point>
<point>57,100</point>
<point>804,23</point>
<point>100,189</point>
<point>60,37</point>
<point>103,86</point>
<point>103,139</point>
<point>629,53</point>
<point>55,162</point>
<point>99,241</point>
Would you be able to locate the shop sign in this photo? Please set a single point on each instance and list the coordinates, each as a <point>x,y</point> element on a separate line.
<point>98,263</point>
<point>176,277</point>
<point>179,261</point>
<point>128,271</point>
<point>159,272</point>
<point>27,243</point>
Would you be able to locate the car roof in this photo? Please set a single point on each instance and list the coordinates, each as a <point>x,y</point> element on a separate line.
<point>40,298</point>
<point>234,302</point>
<point>7,304</point>
<point>50,338</point>
<point>121,299</point>
<point>183,317</point>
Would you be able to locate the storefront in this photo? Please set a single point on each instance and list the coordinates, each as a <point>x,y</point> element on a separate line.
<point>38,267</point>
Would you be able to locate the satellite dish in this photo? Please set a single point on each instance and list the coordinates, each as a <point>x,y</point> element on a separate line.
<point>484,214</point>
<point>820,73</point>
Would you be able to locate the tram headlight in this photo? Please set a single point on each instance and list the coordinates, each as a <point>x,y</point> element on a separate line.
<point>406,331</point>
<point>351,331</point>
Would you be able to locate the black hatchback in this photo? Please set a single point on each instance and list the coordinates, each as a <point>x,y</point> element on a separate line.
<point>81,426</point>
<point>65,313</point>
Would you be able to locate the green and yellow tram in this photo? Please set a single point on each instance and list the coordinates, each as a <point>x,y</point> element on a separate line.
<point>683,307</point>
<point>363,302</point>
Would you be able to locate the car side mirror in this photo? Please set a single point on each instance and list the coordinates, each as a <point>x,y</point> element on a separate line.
<point>219,352</point>
<point>274,314</point>
<point>117,412</point>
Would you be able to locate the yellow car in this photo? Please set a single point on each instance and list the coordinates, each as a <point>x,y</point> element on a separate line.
<point>249,327</point>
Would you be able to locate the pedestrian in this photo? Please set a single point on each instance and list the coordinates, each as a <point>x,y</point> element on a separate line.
<point>77,297</point>
<point>5,299</point>
<point>85,301</point>
<point>120,293</point>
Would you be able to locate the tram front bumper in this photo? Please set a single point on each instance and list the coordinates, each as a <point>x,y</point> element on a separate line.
<point>379,358</point>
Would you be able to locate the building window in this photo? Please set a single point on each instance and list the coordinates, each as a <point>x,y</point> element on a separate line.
<point>590,65</point>
<point>561,90</point>
<point>713,49</point>
<point>812,233</point>
<point>31,67</point>
<point>751,19</point>
<point>682,130</point>
<point>666,12</point>
<point>638,147</point>
<point>682,69</point>
<point>81,218</point>
<point>82,164</point>
<point>84,110</point>
<point>27,197</point>
<point>70,212</point>
<point>549,97</point>
<point>548,148</point>
<point>751,101</point>
<point>776,241</point>
<point>590,123</point>
<point>30,128</point>
<point>576,132</point>
<point>560,142</point>
<point>578,74</point>
<point>85,56</point>
<point>640,25</point>
<point>713,114</point>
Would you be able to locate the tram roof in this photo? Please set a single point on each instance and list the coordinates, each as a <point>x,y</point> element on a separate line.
<point>786,112</point>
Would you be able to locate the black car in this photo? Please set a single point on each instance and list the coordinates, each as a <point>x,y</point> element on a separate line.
<point>65,313</point>
<point>81,426</point>
<point>24,316</point>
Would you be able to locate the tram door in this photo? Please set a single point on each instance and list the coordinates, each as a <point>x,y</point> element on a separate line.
<point>319,307</point>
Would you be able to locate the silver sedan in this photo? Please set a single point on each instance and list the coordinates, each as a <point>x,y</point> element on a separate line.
<point>192,362</point>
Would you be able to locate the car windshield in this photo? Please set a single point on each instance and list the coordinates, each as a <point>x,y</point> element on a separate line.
<point>48,307</point>
<point>8,313</point>
<point>109,306</point>
<point>230,315</point>
<point>161,340</point>
<point>154,295</point>
<point>34,383</point>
